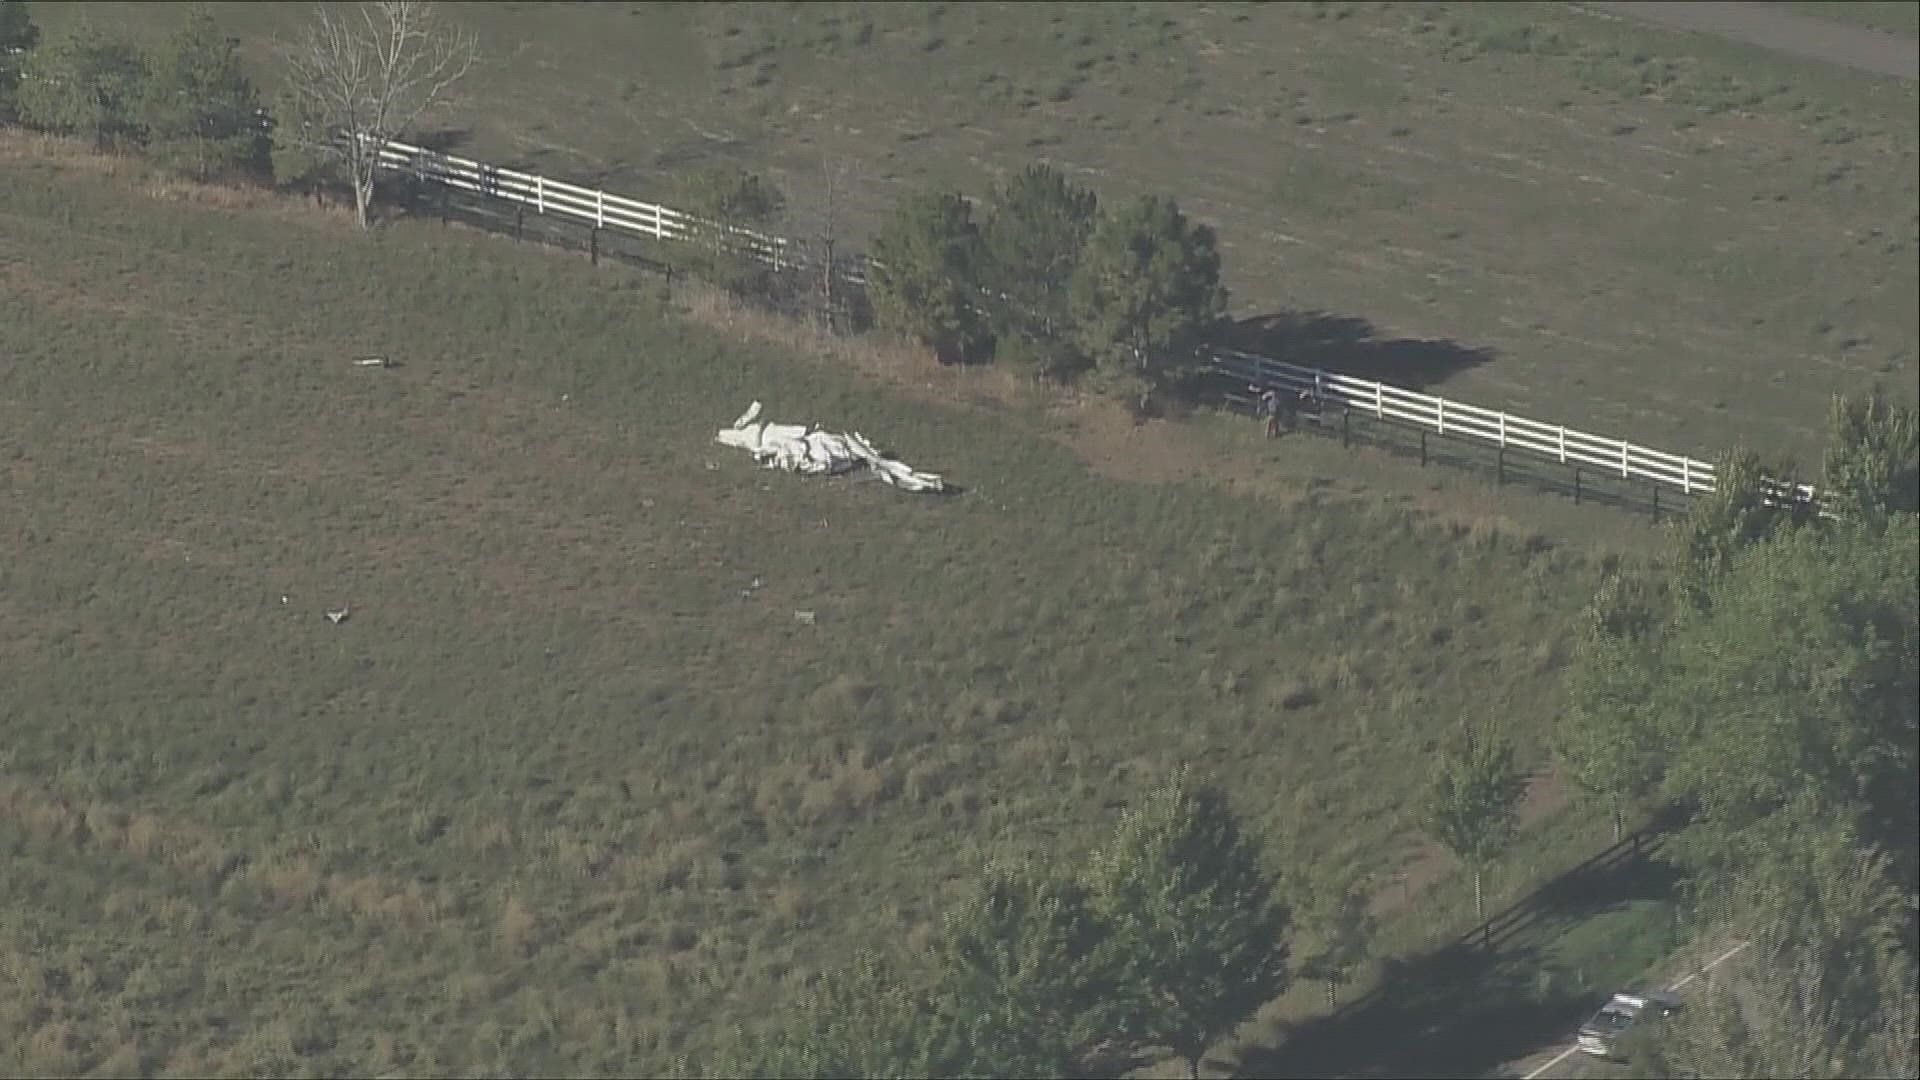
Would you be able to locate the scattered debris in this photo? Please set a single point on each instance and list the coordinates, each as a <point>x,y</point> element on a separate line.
<point>807,449</point>
<point>338,617</point>
<point>283,598</point>
<point>803,617</point>
<point>372,361</point>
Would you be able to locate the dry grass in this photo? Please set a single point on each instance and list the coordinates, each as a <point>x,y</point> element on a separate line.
<point>557,773</point>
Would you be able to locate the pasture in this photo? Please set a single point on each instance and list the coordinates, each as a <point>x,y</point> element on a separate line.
<point>568,791</point>
<point>1661,237</point>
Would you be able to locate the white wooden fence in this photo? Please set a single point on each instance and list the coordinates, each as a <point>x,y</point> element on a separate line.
<point>1529,438</point>
<point>590,206</point>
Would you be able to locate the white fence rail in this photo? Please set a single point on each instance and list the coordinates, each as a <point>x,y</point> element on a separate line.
<point>1531,438</point>
<point>1549,442</point>
<point>589,206</point>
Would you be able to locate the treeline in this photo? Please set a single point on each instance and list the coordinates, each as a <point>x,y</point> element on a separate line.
<point>1767,675</point>
<point>1048,278</point>
<point>1052,280</point>
<point>189,105</point>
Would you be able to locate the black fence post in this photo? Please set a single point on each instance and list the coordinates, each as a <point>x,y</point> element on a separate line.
<point>1423,449</point>
<point>1656,500</point>
<point>443,204</point>
<point>1576,485</point>
<point>1346,427</point>
<point>1500,467</point>
<point>593,244</point>
<point>519,222</point>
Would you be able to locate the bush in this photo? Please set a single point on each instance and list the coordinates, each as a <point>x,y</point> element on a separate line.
<point>86,83</point>
<point>925,281</point>
<point>200,112</point>
<point>1033,242</point>
<point>1147,292</point>
<point>18,36</point>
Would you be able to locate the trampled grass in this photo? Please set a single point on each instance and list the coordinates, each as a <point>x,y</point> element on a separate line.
<point>1659,237</point>
<point>567,791</point>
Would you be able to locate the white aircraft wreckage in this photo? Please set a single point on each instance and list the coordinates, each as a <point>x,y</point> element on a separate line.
<point>797,448</point>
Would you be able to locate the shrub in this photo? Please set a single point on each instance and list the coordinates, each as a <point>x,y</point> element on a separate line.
<point>1147,292</point>
<point>200,112</point>
<point>86,83</point>
<point>18,36</point>
<point>925,282</point>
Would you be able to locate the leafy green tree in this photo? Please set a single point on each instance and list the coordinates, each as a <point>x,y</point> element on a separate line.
<point>1872,467</point>
<point>1334,927</point>
<point>1608,741</point>
<point>1825,986</point>
<point>1734,517</point>
<point>1798,678</point>
<point>201,112</point>
<point>1034,240</point>
<point>1147,291</point>
<point>85,83</point>
<point>926,275</point>
<point>1026,981</point>
<point>1198,936</point>
<point>18,36</point>
<point>1475,798</point>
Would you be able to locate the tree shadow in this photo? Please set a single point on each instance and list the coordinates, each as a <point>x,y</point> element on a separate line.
<point>1483,999</point>
<point>1350,345</point>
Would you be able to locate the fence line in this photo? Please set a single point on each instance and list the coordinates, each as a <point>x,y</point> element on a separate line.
<point>1548,442</point>
<point>1454,419</point>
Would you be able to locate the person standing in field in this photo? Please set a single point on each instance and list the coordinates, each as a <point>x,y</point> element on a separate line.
<point>1269,408</point>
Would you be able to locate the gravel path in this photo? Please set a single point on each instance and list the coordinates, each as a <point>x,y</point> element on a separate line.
<point>1783,31</point>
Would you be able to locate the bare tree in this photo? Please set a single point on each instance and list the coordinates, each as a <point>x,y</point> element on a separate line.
<point>357,80</point>
<point>819,224</point>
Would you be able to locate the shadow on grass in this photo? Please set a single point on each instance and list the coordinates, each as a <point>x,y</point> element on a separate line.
<point>1351,346</point>
<point>443,140</point>
<point>1491,996</point>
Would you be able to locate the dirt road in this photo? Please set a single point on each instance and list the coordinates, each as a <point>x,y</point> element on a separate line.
<point>1783,31</point>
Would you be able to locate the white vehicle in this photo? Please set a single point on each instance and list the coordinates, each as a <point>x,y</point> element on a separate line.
<point>1600,1036</point>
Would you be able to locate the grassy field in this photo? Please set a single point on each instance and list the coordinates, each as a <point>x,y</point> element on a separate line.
<point>1660,237</point>
<point>568,790</point>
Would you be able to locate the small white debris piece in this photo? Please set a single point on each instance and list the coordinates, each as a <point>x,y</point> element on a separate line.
<point>803,617</point>
<point>283,598</point>
<point>803,449</point>
<point>338,617</point>
<point>372,361</point>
